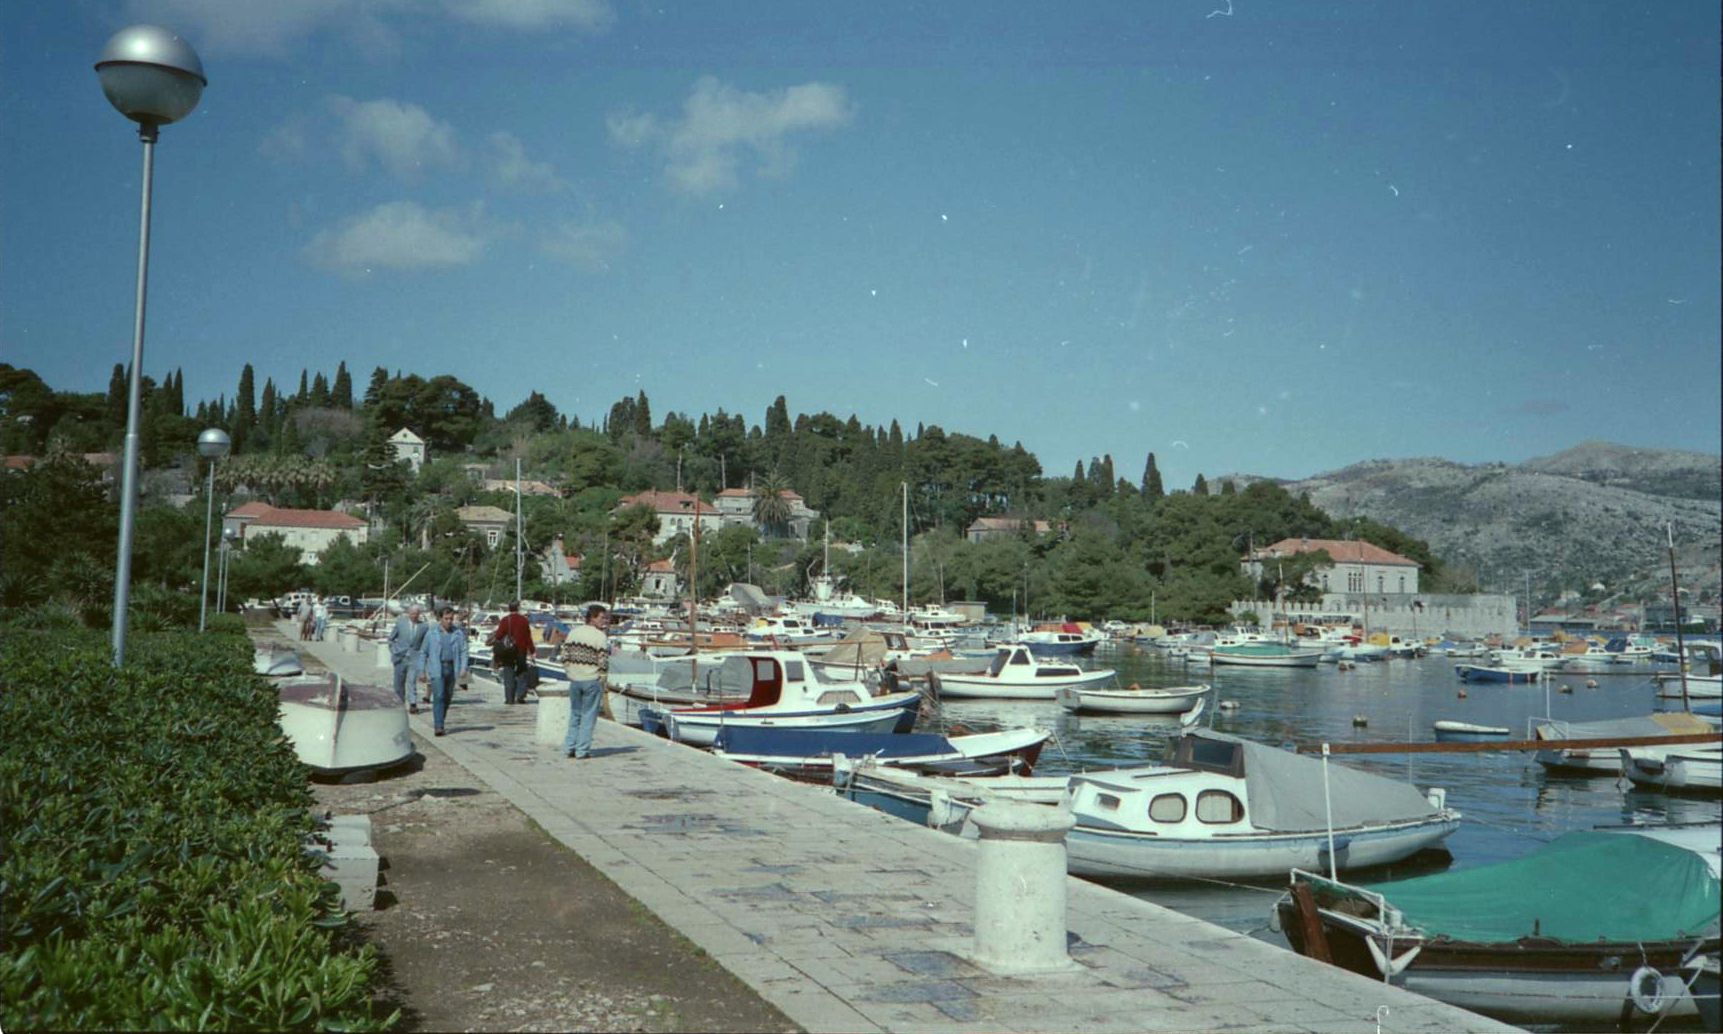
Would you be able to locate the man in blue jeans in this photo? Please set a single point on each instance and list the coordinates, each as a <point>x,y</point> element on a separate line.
<point>444,656</point>
<point>586,660</point>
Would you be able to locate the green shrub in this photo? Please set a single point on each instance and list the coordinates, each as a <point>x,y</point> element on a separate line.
<point>152,874</point>
<point>226,624</point>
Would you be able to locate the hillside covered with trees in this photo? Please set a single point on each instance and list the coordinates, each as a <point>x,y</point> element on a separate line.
<point>1113,546</point>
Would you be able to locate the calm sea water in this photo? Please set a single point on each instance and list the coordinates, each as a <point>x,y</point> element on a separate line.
<point>1511,806</point>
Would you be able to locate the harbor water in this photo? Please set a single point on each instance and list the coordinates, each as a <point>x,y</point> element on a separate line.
<point>1511,805</point>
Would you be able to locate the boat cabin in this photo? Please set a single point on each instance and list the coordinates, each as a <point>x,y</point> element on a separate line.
<point>780,677</point>
<point>1017,662</point>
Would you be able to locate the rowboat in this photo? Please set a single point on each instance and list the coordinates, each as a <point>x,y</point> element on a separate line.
<point>1017,674</point>
<point>811,754</point>
<point>1592,929</point>
<point>338,726</point>
<point>1448,731</point>
<point>1131,700</point>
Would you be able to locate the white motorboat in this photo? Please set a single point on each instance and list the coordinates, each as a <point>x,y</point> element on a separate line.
<point>1449,731</point>
<point>1222,807</point>
<point>779,688</point>
<point>1265,653</point>
<point>338,726</point>
<point>1017,674</point>
<point>1699,687</point>
<point>1697,768</point>
<point>1132,699</point>
<point>788,632</point>
<point>1060,641</point>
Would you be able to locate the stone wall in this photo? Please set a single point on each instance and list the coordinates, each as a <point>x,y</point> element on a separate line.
<point>1405,614</point>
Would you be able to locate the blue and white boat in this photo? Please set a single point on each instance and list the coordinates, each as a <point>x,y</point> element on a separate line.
<point>812,753</point>
<point>779,688</point>
<point>1510,674</point>
<point>1064,641</point>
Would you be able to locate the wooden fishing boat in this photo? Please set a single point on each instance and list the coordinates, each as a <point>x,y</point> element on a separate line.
<point>1593,928</point>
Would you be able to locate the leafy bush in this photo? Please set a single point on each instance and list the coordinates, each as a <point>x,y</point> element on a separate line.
<point>152,874</point>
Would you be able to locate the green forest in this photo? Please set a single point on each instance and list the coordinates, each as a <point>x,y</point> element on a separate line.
<point>1114,546</point>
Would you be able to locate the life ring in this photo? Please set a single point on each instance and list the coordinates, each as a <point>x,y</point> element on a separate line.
<point>1648,991</point>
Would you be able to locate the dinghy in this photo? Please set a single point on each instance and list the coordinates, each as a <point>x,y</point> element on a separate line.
<point>1448,731</point>
<point>811,754</point>
<point>338,726</point>
<point>1131,700</point>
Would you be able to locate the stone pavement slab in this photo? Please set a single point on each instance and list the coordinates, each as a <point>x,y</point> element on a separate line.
<point>850,920</point>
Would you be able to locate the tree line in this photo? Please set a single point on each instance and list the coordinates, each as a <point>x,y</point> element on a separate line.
<point>1112,546</point>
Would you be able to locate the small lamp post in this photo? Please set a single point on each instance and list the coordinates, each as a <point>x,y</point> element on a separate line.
<point>212,445</point>
<point>153,78</point>
<point>228,535</point>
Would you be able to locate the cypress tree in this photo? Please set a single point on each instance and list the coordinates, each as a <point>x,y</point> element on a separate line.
<point>319,390</point>
<point>304,394</point>
<point>642,416</point>
<point>1152,488</point>
<point>244,408</point>
<point>341,393</point>
<point>379,380</point>
<point>115,404</point>
<point>1201,486</point>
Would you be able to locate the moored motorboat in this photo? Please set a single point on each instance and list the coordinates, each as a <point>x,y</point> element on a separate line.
<point>1131,700</point>
<point>1060,641</point>
<point>1606,761</point>
<point>1222,807</point>
<point>783,690</point>
<point>340,726</point>
<point>1593,928</point>
<point>1503,673</point>
<point>1693,769</point>
<point>1017,674</point>
<point>1266,653</point>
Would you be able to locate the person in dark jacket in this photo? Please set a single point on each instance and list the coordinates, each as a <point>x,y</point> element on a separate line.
<point>512,653</point>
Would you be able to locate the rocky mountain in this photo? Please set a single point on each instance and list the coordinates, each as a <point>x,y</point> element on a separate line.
<point>1594,513</point>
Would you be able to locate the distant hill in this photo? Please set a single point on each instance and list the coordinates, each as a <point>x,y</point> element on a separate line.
<point>1594,513</point>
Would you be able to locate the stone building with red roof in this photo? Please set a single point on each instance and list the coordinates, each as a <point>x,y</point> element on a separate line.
<point>1358,566</point>
<point>309,531</point>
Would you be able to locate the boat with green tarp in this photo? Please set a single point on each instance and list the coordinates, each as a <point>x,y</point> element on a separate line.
<point>1592,928</point>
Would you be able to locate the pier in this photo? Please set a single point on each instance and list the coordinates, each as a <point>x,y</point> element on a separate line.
<point>847,919</point>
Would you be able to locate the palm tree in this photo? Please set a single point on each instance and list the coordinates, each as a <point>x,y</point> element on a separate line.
<point>772,505</point>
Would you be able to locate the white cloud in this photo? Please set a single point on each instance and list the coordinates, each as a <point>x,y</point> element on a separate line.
<point>588,246</point>
<point>400,235</point>
<point>533,15</point>
<point>719,125</point>
<point>511,167</point>
<point>402,138</point>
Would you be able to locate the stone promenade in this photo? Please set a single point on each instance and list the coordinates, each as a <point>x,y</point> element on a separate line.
<point>850,920</point>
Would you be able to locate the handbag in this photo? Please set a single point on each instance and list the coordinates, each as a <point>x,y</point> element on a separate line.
<point>504,651</point>
<point>530,676</point>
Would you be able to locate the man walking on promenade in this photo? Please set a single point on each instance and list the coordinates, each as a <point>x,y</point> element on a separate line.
<point>511,652</point>
<point>585,659</point>
<point>319,619</point>
<point>444,656</point>
<point>405,639</point>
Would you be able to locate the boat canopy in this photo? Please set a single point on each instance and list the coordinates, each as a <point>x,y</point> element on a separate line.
<point>1285,789</point>
<point>1564,892</point>
<point>1669,723</point>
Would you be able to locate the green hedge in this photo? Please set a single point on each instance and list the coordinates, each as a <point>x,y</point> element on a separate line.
<point>152,873</point>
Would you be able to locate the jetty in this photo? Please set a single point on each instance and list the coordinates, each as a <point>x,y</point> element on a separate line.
<point>847,919</point>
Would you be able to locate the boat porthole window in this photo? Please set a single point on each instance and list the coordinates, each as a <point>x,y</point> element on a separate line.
<point>1218,806</point>
<point>1167,807</point>
<point>1107,801</point>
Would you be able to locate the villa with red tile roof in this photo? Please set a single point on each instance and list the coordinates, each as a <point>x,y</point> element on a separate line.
<point>676,512</point>
<point>1358,566</point>
<point>309,531</point>
<point>737,507</point>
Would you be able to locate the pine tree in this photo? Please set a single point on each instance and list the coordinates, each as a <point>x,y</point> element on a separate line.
<point>1152,488</point>
<point>341,394</point>
<point>379,380</point>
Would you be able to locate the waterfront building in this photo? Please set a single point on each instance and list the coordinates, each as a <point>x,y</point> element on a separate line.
<point>1358,566</point>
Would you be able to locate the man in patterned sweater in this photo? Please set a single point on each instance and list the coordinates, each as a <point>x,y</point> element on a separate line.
<point>585,659</point>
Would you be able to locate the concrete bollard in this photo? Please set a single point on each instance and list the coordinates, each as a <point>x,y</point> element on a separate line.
<point>383,659</point>
<point>552,715</point>
<point>1020,887</point>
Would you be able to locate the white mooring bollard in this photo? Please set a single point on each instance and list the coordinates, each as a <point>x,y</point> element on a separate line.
<point>383,659</point>
<point>1020,887</point>
<point>552,715</point>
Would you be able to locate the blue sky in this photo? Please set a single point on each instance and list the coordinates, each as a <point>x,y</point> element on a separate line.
<point>1273,238</point>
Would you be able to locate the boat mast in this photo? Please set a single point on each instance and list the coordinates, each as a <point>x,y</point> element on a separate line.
<point>1675,606</point>
<point>520,542</point>
<point>906,558</point>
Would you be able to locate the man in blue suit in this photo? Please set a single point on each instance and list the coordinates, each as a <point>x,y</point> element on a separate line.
<point>443,658</point>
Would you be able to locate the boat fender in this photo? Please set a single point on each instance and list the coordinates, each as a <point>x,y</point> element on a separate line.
<point>1391,967</point>
<point>1648,991</point>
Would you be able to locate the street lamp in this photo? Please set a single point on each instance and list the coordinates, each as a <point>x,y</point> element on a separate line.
<point>228,535</point>
<point>153,78</point>
<point>212,445</point>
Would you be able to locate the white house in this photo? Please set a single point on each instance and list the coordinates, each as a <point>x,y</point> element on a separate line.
<point>309,531</point>
<point>736,506</point>
<point>677,512</point>
<point>408,446</point>
<point>1358,566</point>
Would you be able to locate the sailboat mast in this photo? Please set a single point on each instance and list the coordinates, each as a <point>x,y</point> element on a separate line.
<point>1675,607</point>
<point>520,540</point>
<point>906,558</point>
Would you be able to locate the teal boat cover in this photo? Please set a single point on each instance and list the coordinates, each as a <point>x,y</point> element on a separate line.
<point>1584,887</point>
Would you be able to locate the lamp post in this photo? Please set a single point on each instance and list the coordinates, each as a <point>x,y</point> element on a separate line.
<point>227,537</point>
<point>212,445</point>
<point>153,78</point>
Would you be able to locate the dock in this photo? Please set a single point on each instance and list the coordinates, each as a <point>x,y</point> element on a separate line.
<point>847,919</point>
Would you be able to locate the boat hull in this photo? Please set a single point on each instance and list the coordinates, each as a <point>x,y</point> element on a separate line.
<point>1511,676</point>
<point>1246,658</point>
<point>344,727</point>
<point>700,728</point>
<point>1122,854</point>
<point>1130,701</point>
<point>989,688</point>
